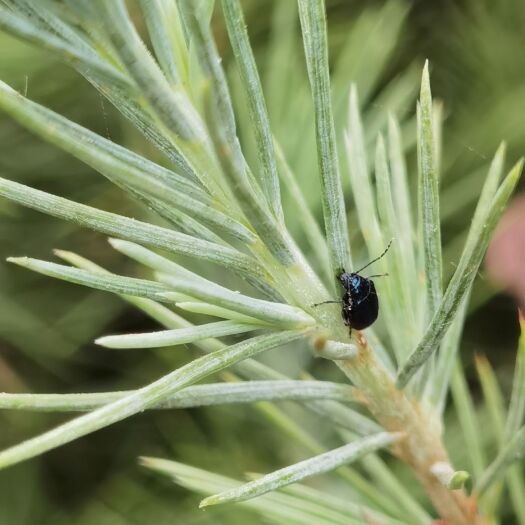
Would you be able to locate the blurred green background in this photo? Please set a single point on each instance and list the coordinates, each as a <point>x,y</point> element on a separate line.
<point>475,48</point>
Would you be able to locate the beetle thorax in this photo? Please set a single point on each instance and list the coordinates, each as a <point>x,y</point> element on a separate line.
<point>353,282</point>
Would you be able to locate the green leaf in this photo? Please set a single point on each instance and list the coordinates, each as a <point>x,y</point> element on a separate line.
<point>156,311</point>
<point>117,225</point>
<point>162,264</point>
<point>329,503</point>
<point>313,24</point>
<point>437,388</point>
<point>155,261</point>
<point>180,220</point>
<point>310,467</point>
<point>334,411</point>
<point>251,369</point>
<point>87,145</point>
<point>516,414</point>
<point>495,404</point>
<point>450,344</point>
<point>399,282</point>
<point>80,58</point>
<point>492,396</point>
<point>387,482</point>
<point>360,179</point>
<point>141,119</point>
<point>389,485</point>
<point>222,126</point>
<point>214,311</point>
<point>108,283</point>
<point>280,314</point>
<point>461,282</point>
<point>311,228</point>
<point>430,229</point>
<point>281,54</point>
<point>268,177</point>
<point>467,420</point>
<point>513,451</point>
<point>283,508</point>
<point>516,486</point>
<point>145,397</point>
<point>161,18</point>
<point>171,105</point>
<point>367,215</point>
<point>366,206</point>
<point>119,165</point>
<point>178,336</point>
<point>193,396</point>
<point>403,207</point>
<point>43,14</point>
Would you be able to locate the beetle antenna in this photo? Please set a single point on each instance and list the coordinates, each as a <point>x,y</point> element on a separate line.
<point>327,302</point>
<point>377,258</point>
<point>378,275</point>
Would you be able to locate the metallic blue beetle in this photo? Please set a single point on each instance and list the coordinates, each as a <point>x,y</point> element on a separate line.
<point>360,301</point>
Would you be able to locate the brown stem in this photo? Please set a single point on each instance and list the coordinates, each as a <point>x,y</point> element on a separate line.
<point>423,446</point>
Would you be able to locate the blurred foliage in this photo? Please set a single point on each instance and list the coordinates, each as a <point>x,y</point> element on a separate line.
<point>31,306</point>
<point>475,49</point>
